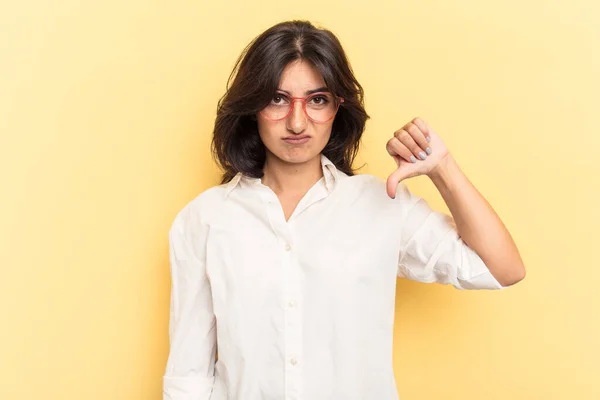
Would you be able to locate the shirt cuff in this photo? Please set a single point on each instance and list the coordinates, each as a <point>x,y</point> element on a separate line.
<point>187,388</point>
<point>485,281</point>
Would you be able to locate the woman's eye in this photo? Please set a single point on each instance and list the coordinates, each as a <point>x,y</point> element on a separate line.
<point>278,99</point>
<point>319,100</point>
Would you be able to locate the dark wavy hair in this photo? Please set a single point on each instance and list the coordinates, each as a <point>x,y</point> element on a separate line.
<point>236,144</point>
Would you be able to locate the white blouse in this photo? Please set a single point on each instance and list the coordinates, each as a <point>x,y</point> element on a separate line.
<point>302,309</point>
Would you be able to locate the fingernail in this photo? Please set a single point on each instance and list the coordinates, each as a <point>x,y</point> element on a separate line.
<point>413,159</point>
<point>428,150</point>
<point>428,139</point>
<point>422,155</point>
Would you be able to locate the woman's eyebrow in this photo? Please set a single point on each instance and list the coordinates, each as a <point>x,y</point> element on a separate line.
<point>321,89</point>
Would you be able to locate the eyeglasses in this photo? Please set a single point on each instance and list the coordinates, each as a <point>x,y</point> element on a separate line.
<point>319,107</point>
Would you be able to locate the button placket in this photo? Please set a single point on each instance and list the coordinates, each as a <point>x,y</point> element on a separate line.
<point>293,326</point>
<point>293,322</point>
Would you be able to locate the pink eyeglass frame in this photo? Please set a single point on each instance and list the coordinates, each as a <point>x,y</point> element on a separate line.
<point>303,100</point>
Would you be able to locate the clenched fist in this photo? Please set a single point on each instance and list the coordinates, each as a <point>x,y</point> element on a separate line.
<point>417,150</point>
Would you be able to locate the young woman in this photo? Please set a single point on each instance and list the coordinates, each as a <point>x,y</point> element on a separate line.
<point>289,267</point>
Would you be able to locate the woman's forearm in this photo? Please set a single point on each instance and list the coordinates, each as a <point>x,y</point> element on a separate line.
<point>478,224</point>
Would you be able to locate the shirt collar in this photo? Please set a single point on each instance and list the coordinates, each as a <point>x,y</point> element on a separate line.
<point>330,173</point>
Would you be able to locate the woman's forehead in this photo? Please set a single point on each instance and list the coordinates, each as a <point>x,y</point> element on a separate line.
<point>300,77</point>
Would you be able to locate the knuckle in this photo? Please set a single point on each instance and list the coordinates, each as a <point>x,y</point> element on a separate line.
<point>413,129</point>
<point>403,135</point>
<point>389,145</point>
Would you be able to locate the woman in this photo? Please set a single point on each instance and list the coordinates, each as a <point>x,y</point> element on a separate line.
<point>289,266</point>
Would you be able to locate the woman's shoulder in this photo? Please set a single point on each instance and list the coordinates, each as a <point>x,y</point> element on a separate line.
<point>365,184</point>
<point>366,180</point>
<point>374,189</point>
<point>202,206</point>
<point>210,197</point>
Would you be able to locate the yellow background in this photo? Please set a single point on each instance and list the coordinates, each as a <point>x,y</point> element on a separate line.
<point>106,113</point>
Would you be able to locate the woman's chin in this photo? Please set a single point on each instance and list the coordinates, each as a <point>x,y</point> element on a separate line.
<point>295,157</point>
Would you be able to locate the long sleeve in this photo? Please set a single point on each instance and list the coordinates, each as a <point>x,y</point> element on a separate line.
<point>432,250</point>
<point>190,368</point>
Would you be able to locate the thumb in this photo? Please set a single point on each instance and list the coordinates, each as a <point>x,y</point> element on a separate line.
<point>394,179</point>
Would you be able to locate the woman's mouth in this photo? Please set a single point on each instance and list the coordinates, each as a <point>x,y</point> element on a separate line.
<point>301,139</point>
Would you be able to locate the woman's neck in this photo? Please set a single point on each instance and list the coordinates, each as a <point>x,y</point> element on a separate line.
<point>291,178</point>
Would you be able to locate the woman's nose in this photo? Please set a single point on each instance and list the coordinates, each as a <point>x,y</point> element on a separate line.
<point>297,117</point>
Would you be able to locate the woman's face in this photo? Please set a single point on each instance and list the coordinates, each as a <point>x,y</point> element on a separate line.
<point>298,79</point>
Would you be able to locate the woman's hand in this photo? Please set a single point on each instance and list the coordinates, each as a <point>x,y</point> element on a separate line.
<point>417,150</point>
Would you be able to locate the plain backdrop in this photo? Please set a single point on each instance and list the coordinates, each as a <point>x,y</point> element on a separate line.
<point>106,116</point>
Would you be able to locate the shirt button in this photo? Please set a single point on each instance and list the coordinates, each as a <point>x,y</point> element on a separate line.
<point>293,361</point>
<point>292,304</point>
<point>288,247</point>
